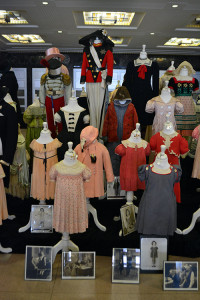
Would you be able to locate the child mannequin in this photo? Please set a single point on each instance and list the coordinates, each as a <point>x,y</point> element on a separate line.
<point>165,93</point>
<point>45,135</point>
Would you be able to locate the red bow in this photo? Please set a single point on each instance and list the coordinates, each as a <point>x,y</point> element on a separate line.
<point>142,70</point>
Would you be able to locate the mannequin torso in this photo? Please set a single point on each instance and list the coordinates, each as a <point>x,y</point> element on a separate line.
<point>161,165</point>
<point>45,135</point>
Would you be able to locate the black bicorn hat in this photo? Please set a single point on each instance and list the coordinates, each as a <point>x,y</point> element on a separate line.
<point>5,65</point>
<point>3,91</point>
<point>101,34</point>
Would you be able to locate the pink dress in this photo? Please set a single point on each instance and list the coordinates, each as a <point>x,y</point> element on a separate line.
<point>95,187</point>
<point>45,156</point>
<point>70,210</point>
<point>196,165</point>
<point>133,155</point>
<point>161,108</point>
<point>3,203</point>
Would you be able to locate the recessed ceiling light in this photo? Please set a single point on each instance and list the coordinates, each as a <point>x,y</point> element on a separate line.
<point>175,5</point>
<point>108,18</point>
<point>152,33</point>
<point>45,3</point>
<point>59,31</point>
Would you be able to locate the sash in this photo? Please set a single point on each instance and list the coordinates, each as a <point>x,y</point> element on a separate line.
<point>97,62</point>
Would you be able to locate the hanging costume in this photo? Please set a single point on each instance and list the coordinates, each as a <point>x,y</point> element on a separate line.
<point>120,121</point>
<point>55,87</point>
<point>133,155</point>
<point>183,90</point>
<point>196,164</point>
<point>45,156</point>
<point>70,209</point>
<point>97,71</point>
<point>157,212</point>
<point>138,82</point>
<point>176,145</point>
<point>96,157</point>
<point>161,108</point>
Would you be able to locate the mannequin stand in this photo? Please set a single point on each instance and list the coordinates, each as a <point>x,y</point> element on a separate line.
<point>195,219</point>
<point>65,244</point>
<point>93,211</point>
<point>5,250</point>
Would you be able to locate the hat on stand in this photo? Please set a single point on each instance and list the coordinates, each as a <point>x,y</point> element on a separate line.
<point>53,52</point>
<point>187,65</point>
<point>101,34</point>
<point>122,94</point>
<point>89,133</point>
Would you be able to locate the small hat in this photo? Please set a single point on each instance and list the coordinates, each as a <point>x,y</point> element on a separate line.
<point>89,133</point>
<point>53,52</point>
<point>101,34</point>
<point>122,94</point>
<point>187,65</point>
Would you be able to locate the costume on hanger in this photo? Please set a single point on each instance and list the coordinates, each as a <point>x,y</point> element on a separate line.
<point>72,124</point>
<point>8,137</point>
<point>34,116</point>
<point>137,80</point>
<point>133,155</point>
<point>3,202</point>
<point>196,164</point>
<point>176,145</point>
<point>183,90</point>
<point>96,157</point>
<point>161,108</point>
<point>120,121</point>
<point>70,210</point>
<point>55,87</point>
<point>19,170</point>
<point>157,212</point>
<point>45,156</point>
<point>9,80</point>
<point>97,72</point>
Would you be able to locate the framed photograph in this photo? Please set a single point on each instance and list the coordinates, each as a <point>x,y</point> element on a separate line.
<point>41,218</point>
<point>153,253</point>
<point>128,219</point>
<point>78,265</point>
<point>38,263</point>
<point>125,265</point>
<point>180,276</point>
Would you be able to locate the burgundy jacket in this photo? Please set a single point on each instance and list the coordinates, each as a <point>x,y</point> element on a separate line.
<point>110,123</point>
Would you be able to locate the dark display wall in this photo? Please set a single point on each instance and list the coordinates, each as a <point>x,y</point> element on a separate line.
<point>32,60</point>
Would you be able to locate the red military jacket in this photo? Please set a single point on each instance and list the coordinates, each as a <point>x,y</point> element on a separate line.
<point>90,72</point>
<point>110,123</point>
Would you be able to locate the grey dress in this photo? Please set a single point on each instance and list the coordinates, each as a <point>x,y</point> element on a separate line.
<point>157,210</point>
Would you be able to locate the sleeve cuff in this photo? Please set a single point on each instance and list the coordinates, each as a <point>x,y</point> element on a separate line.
<point>83,79</point>
<point>109,79</point>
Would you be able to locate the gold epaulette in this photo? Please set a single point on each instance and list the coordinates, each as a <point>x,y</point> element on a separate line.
<point>66,79</point>
<point>43,79</point>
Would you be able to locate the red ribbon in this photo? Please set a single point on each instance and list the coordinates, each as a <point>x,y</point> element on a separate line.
<point>141,71</point>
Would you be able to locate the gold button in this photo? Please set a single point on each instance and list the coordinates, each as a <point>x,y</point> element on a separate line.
<point>147,168</point>
<point>92,71</point>
<point>90,66</point>
<point>175,170</point>
<point>89,60</point>
<point>88,55</point>
<point>95,76</point>
<point>100,59</point>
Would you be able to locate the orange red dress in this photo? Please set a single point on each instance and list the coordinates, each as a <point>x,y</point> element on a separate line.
<point>176,145</point>
<point>45,156</point>
<point>133,155</point>
<point>3,203</point>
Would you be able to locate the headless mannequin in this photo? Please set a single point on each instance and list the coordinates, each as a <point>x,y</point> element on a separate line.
<point>165,93</point>
<point>65,244</point>
<point>97,41</point>
<point>171,68</point>
<point>143,59</point>
<point>184,75</point>
<point>168,126</point>
<point>161,165</point>
<point>45,138</point>
<point>36,102</point>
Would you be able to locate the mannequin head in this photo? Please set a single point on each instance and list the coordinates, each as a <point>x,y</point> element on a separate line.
<point>135,134</point>
<point>97,41</point>
<point>184,71</point>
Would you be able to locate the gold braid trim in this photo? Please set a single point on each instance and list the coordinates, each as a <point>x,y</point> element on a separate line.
<point>66,79</point>
<point>43,79</point>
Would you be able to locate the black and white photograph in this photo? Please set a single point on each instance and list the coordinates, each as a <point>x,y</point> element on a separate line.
<point>125,265</point>
<point>78,265</point>
<point>42,218</point>
<point>180,275</point>
<point>128,219</point>
<point>153,253</point>
<point>38,263</point>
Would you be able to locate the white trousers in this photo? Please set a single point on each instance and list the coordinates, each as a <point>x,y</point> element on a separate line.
<point>96,103</point>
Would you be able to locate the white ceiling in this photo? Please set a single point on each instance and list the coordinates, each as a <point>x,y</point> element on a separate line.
<point>157,16</point>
